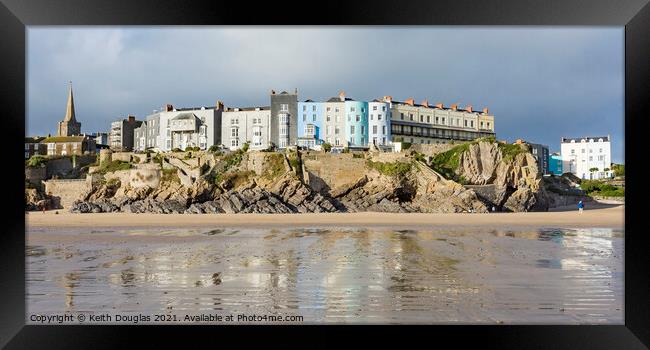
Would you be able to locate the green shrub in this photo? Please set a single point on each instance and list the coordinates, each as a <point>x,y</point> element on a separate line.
<point>327,147</point>
<point>446,163</point>
<point>357,155</point>
<point>176,149</point>
<point>390,169</point>
<point>295,163</point>
<point>189,149</point>
<point>619,169</point>
<point>213,149</point>
<point>617,192</point>
<point>237,178</point>
<point>36,161</point>
<point>406,145</point>
<point>244,148</point>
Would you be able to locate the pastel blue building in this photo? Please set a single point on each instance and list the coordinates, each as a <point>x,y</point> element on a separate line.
<point>356,123</point>
<point>310,122</point>
<point>555,164</point>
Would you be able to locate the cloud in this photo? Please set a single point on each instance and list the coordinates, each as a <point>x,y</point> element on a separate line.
<point>541,83</point>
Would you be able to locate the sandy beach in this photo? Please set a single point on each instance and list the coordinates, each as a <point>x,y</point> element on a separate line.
<point>595,215</point>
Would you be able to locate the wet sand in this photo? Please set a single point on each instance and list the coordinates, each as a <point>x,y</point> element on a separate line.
<point>335,275</point>
<point>595,215</point>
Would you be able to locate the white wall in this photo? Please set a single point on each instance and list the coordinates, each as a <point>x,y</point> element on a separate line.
<point>576,158</point>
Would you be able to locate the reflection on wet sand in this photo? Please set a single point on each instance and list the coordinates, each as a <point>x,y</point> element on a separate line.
<point>334,275</point>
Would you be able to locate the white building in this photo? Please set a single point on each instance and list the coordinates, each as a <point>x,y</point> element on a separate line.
<point>581,155</point>
<point>379,122</point>
<point>180,128</point>
<point>241,125</point>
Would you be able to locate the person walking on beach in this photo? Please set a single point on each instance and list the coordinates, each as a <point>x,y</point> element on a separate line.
<point>580,207</point>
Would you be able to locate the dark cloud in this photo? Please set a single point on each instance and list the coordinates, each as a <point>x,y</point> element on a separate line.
<point>541,83</point>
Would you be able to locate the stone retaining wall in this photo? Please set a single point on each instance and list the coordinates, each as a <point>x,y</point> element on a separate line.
<point>65,192</point>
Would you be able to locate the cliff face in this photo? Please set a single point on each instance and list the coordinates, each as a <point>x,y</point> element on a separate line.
<point>510,170</point>
<point>272,183</point>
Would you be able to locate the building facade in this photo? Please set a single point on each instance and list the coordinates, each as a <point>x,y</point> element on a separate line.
<point>426,124</point>
<point>587,157</point>
<point>333,130</point>
<point>69,145</point>
<point>284,118</point>
<point>541,154</point>
<point>379,123</point>
<point>356,123</point>
<point>69,126</point>
<point>180,128</point>
<point>33,146</point>
<point>310,121</point>
<point>121,134</point>
<point>555,164</point>
<point>250,125</point>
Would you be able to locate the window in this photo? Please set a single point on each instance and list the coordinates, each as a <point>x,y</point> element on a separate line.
<point>283,130</point>
<point>471,123</point>
<point>411,116</point>
<point>465,123</point>
<point>374,129</point>
<point>304,117</point>
<point>284,107</point>
<point>383,129</point>
<point>401,115</point>
<point>363,130</point>
<point>358,119</point>
<point>336,131</point>
<point>352,129</point>
<point>591,158</point>
<point>234,143</point>
<point>328,129</point>
<point>234,121</point>
<point>428,119</point>
<point>374,108</point>
<point>304,108</point>
<point>378,116</point>
<point>336,109</point>
<point>421,119</point>
<point>443,120</point>
<point>309,130</point>
<point>352,109</point>
<point>313,117</point>
<point>583,150</point>
<point>591,151</point>
<point>337,118</point>
<point>329,117</point>
<point>234,132</point>
<point>363,110</point>
<point>283,118</point>
<point>329,108</point>
<point>383,108</point>
<point>573,151</point>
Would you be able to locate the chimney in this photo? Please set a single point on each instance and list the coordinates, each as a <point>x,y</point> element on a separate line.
<point>410,101</point>
<point>486,110</point>
<point>454,106</point>
<point>272,92</point>
<point>131,118</point>
<point>469,108</point>
<point>295,91</point>
<point>169,108</point>
<point>425,103</point>
<point>342,95</point>
<point>388,98</point>
<point>440,105</point>
<point>219,105</point>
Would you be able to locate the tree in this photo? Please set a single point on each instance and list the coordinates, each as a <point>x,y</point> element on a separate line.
<point>593,170</point>
<point>327,147</point>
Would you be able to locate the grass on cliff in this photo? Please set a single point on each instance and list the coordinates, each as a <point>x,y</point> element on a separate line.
<point>36,161</point>
<point>509,152</point>
<point>275,166</point>
<point>446,163</point>
<point>170,175</point>
<point>113,166</point>
<point>391,169</point>
<point>237,178</point>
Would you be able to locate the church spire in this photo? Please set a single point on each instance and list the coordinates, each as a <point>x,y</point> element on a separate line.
<point>69,111</point>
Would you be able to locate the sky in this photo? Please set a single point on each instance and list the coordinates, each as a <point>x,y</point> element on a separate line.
<point>541,83</point>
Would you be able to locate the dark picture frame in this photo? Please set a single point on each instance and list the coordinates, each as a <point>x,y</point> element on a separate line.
<point>634,15</point>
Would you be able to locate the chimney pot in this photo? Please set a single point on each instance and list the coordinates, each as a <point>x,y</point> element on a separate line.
<point>485,110</point>
<point>410,101</point>
<point>388,98</point>
<point>454,106</point>
<point>425,103</point>
<point>440,105</point>
<point>169,108</point>
<point>469,108</point>
<point>342,95</point>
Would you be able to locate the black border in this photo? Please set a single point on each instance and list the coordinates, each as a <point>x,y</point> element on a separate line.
<point>633,14</point>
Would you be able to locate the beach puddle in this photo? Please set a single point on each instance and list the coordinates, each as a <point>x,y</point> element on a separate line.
<point>342,275</point>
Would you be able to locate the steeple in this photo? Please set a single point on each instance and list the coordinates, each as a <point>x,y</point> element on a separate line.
<point>69,111</point>
<point>69,126</point>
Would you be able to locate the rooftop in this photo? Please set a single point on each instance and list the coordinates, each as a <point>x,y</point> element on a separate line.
<point>586,138</point>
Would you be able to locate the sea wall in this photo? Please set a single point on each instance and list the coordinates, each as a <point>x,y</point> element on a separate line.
<point>64,192</point>
<point>329,171</point>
